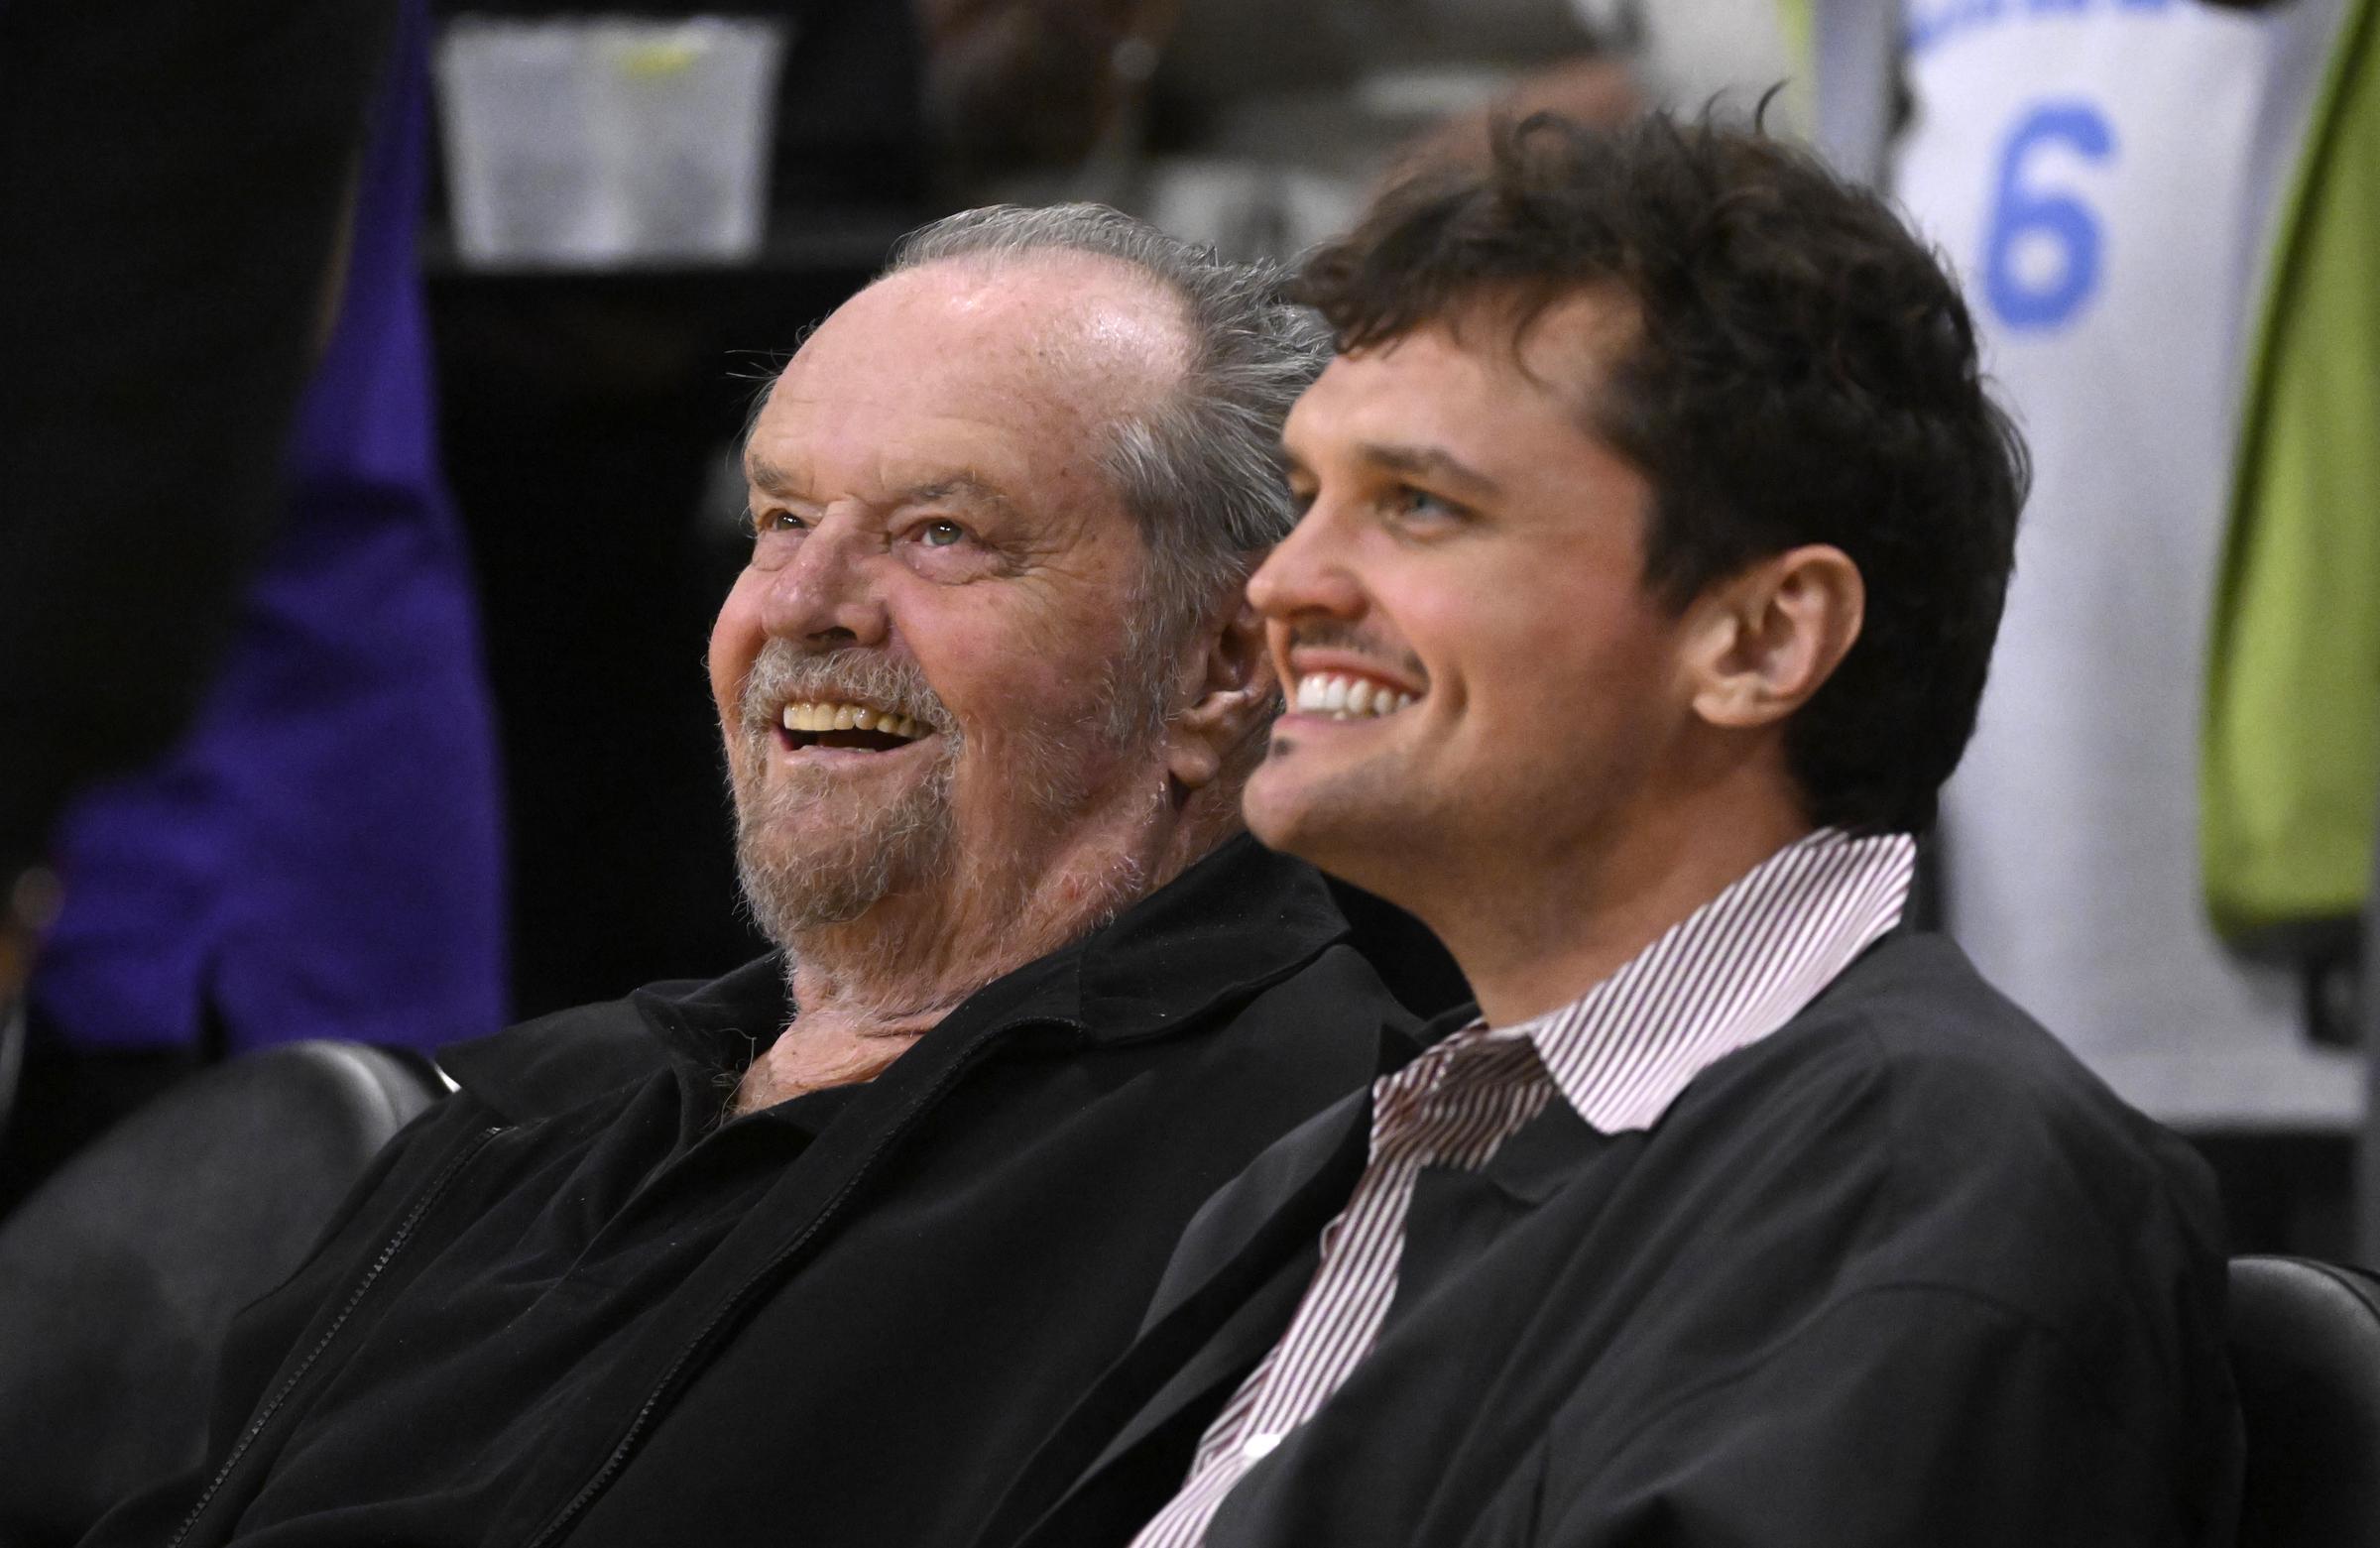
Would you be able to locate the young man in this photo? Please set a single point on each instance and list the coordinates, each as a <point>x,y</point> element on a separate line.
<point>1656,526</point>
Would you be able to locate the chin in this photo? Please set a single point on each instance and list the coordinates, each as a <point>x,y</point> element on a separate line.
<point>808,861</point>
<point>1330,825</point>
<point>1274,806</point>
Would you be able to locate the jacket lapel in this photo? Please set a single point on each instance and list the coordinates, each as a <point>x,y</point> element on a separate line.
<point>1236,1279</point>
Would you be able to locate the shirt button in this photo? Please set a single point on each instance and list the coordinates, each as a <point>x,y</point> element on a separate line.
<point>1258,1447</point>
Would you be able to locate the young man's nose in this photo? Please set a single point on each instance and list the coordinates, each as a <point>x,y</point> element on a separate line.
<point>1307,572</point>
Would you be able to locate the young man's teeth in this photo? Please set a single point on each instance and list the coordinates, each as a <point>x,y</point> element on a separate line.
<point>1348,698</point>
<point>849,717</point>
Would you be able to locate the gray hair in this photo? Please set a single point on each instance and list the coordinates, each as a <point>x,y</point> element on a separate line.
<point>1200,472</point>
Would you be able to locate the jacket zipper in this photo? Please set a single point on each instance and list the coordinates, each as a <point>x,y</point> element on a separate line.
<point>734,1306</point>
<point>273,1405</point>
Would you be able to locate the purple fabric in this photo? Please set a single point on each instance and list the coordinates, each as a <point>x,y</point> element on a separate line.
<point>322,856</point>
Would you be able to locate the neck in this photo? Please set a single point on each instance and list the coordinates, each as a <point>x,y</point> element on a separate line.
<point>1534,938</point>
<point>867,988</point>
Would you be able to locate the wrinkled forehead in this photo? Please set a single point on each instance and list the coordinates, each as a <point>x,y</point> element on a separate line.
<point>1015,364</point>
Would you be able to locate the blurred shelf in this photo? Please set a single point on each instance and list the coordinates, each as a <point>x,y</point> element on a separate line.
<point>799,243</point>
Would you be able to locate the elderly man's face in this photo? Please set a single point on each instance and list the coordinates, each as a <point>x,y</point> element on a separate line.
<point>922,672</point>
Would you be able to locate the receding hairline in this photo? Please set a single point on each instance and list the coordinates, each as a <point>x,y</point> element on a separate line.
<point>1142,295</point>
<point>1165,360</point>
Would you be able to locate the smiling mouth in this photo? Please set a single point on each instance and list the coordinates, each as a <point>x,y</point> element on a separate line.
<point>854,727</point>
<point>1339,697</point>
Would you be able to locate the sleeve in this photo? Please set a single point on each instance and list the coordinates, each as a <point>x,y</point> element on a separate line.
<point>268,1332</point>
<point>1904,1414</point>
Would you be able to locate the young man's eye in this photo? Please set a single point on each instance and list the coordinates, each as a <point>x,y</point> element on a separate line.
<point>1406,500</point>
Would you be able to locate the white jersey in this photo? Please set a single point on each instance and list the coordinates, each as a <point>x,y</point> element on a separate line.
<point>2105,175</point>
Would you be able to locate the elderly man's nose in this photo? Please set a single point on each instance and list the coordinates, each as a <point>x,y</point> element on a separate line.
<point>825,594</point>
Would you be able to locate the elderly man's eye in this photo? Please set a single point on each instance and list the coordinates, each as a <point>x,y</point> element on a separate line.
<point>764,522</point>
<point>940,534</point>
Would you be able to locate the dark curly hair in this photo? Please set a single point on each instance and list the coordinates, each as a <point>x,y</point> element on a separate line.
<point>1800,370</point>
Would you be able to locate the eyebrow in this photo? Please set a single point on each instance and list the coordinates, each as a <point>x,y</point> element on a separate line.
<point>1430,462</point>
<point>769,478</point>
<point>965,488</point>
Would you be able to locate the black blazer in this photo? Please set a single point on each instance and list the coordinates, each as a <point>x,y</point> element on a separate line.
<point>1902,1274</point>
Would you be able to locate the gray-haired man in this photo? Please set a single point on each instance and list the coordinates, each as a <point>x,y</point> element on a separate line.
<point>701,1266</point>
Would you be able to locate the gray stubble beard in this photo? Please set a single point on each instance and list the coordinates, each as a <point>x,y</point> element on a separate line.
<point>911,844</point>
<point>791,888</point>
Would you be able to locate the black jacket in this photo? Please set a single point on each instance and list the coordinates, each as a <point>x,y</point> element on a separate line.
<point>1903,1274</point>
<point>568,1305</point>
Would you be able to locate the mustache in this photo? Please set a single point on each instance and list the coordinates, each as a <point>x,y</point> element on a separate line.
<point>1330,633</point>
<point>783,673</point>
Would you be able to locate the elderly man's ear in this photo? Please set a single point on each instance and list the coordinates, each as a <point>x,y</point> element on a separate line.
<point>1231,701</point>
<point>1767,637</point>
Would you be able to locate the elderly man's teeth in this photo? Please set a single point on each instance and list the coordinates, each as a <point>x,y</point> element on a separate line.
<point>805,716</point>
<point>1348,698</point>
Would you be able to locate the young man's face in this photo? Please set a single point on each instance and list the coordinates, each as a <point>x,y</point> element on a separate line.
<point>1479,682</point>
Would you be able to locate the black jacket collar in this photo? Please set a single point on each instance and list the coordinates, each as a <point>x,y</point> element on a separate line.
<point>1234,921</point>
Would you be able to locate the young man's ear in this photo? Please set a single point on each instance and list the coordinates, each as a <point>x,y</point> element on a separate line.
<point>1231,700</point>
<point>1767,637</point>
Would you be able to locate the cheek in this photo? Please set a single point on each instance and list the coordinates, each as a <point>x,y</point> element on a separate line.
<point>1593,660</point>
<point>736,640</point>
<point>1009,696</point>
<point>1028,662</point>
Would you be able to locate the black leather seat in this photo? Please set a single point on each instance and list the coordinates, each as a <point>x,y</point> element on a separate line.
<point>12,1057</point>
<point>120,1274</point>
<point>2306,1350</point>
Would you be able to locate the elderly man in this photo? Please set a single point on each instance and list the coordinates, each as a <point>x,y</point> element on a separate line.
<point>1656,530</point>
<point>815,1254</point>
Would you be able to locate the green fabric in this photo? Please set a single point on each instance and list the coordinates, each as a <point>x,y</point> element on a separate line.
<point>1794,21</point>
<point>2290,777</point>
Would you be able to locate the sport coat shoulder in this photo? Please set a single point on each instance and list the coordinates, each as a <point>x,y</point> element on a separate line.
<point>1901,1271</point>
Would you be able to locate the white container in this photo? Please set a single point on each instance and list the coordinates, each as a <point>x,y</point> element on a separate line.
<point>602,141</point>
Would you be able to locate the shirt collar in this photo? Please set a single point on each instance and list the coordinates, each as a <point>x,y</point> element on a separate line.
<point>1726,976</point>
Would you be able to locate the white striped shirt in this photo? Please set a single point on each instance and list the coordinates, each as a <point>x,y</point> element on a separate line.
<point>1730,974</point>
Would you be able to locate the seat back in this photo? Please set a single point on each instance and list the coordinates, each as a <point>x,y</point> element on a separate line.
<point>120,1274</point>
<point>12,1055</point>
<point>2306,1350</point>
